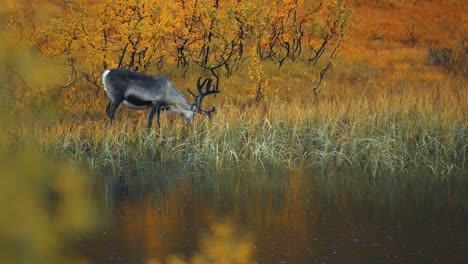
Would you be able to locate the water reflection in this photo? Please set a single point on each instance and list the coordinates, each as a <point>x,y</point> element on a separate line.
<point>293,217</point>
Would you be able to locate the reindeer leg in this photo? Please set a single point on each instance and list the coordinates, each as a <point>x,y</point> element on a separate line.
<point>110,110</point>
<point>158,114</point>
<point>154,109</point>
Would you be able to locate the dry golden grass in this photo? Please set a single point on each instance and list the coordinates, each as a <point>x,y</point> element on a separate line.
<point>367,122</point>
<point>387,24</point>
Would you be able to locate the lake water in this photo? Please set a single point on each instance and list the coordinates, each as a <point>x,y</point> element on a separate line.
<point>288,216</point>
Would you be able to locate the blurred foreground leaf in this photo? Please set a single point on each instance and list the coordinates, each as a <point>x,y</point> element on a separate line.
<point>44,203</point>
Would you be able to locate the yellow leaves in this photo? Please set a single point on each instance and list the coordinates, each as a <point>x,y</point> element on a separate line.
<point>260,81</point>
<point>26,74</point>
<point>263,43</point>
<point>222,245</point>
<point>41,201</point>
<point>142,35</point>
<point>43,207</point>
<point>285,37</point>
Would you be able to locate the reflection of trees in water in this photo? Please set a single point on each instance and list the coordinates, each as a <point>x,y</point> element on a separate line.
<point>408,197</point>
<point>164,210</point>
<point>271,190</point>
<point>221,192</point>
<point>168,209</point>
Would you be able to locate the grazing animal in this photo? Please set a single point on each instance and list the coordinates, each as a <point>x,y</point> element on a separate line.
<point>139,91</point>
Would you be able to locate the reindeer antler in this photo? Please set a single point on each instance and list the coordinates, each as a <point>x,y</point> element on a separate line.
<point>198,99</point>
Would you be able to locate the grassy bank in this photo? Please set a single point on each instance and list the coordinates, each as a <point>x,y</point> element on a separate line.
<point>395,101</point>
<point>413,126</point>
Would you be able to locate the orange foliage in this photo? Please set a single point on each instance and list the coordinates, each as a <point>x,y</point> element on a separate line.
<point>85,37</point>
<point>213,35</point>
<point>396,23</point>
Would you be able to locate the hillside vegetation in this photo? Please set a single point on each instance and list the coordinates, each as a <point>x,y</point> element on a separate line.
<point>373,85</point>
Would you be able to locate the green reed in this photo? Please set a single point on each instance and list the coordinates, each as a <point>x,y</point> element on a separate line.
<point>322,137</point>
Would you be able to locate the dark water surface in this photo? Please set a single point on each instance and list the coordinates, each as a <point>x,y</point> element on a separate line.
<point>292,217</point>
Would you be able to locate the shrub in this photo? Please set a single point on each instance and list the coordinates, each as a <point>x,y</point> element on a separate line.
<point>452,60</point>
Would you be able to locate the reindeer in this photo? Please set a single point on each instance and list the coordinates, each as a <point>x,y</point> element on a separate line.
<point>139,91</point>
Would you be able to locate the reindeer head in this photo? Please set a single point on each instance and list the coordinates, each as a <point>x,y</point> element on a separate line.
<point>204,88</point>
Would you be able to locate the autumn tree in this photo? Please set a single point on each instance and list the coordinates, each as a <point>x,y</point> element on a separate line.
<point>209,36</point>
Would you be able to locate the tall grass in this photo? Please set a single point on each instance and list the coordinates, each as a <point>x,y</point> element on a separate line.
<point>404,127</point>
